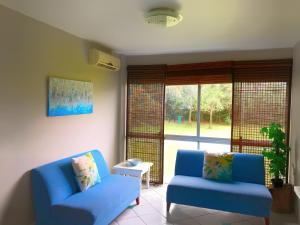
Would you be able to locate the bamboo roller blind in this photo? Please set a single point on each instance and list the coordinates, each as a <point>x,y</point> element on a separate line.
<point>199,73</point>
<point>145,116</point>
<point>261,95</point>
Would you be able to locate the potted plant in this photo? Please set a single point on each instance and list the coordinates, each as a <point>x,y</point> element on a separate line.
<point>277,154</point>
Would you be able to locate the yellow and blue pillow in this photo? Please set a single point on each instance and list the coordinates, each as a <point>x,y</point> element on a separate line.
<point>86,171</point>
<point>218,166</point>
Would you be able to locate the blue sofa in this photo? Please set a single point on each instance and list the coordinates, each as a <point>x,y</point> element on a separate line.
<point>246,194</point>
<point>58,200</point>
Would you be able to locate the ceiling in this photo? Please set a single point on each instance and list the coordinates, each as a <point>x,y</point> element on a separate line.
<point>210,25</point>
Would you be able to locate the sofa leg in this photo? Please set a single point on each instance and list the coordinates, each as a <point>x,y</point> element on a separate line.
<point>267,221</point>
<point>137,200</point>
<point>168,206</point>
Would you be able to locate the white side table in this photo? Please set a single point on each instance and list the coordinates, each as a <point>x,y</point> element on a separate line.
<point>134,171</point>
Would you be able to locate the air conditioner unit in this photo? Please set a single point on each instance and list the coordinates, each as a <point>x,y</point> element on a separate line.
<point>104,60</point>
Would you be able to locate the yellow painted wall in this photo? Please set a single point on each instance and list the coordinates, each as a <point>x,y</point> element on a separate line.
<point>30,52</point>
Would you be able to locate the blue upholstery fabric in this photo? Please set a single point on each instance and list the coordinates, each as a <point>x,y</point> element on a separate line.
<point>189,163</point>
<point>97,203</point>
<point>248,168</point>
<point>246,194</point>
<point>241,197</point>
<point>55,191</point>
<point>245,167</point>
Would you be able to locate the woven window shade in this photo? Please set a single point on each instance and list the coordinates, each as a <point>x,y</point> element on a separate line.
<point>199,73</point>
<point>261,95</point>
<point>145,116</point>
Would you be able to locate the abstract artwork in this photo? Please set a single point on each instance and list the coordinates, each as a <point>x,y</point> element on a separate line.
<point>69,97</point>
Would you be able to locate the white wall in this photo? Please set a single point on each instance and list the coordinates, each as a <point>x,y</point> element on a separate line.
<point>122,109</point>
<point>30,52</point>
<point>295,124</point>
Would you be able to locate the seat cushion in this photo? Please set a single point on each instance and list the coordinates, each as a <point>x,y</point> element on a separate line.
<point>241,197</point>
<point>99,204</point>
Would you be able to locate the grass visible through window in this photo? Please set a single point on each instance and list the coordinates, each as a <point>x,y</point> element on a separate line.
<point>186,128</point>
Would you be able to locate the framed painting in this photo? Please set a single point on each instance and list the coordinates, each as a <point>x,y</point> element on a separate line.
<point>69,97</point>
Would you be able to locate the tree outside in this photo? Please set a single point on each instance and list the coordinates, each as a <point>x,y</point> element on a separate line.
<point>181,101</point>
<point>181,109</point>
<point>216,98</point>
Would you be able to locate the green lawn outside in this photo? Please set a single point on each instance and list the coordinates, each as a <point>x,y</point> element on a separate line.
<point>218,130</point>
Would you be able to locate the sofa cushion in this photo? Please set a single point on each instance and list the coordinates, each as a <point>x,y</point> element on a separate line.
<point>97,203</point>
<point>86,171</point>
<point>218,166</point>
<point>241,197</point>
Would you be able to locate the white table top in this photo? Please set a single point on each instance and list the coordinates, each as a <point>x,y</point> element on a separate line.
<point>141,166</point>
<point>135,171</point>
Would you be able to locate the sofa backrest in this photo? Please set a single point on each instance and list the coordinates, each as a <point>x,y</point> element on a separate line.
<point>245,167</point>
<point>248,168</point>
<point>189,163</point>
<point>56,181</point>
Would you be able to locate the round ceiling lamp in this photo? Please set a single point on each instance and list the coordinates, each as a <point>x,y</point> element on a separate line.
<point>163,16</point>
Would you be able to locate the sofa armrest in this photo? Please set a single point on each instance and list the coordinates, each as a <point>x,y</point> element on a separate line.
<point>42,203</point>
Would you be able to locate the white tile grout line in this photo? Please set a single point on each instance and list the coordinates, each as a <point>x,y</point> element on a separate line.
<point>159,211</point>
<point>192,217</point>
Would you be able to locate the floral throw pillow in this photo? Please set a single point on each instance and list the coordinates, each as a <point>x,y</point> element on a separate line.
<point>86,171</point>
<point>218,166</point>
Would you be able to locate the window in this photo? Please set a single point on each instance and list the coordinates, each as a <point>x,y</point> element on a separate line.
<point>196,117</point>
<point>190,106</point>
<point>181,110</point>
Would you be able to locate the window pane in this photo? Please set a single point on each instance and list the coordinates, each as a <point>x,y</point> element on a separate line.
<point>211,147</point>
<point>215,110</point>
<point>181,110</point>
<point>170,151</point>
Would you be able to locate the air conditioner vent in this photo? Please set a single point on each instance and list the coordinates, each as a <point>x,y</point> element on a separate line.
<point>103,60</point>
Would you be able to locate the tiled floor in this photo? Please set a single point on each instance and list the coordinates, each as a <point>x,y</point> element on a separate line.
<point>152,211</point>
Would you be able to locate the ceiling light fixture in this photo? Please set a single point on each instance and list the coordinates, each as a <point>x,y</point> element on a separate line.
<point>163,16</point>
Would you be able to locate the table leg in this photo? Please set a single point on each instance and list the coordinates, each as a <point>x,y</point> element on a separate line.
<point>141,180</point>
<point>148,179</point>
